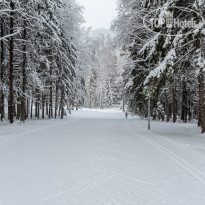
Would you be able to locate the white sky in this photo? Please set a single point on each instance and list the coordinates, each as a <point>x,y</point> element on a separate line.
<point>99,13</point>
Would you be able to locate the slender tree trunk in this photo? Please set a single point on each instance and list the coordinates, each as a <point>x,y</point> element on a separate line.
<point>2,109</point>
<point>36,108</point>
<point>27,108</point>
<point>167,106</point>
<point>59,110</point>
<point>18,114</point>
<point>161,102</point>
<point>101,95</point>
<point>184,103</point>
<point>38,105</point>
<point>23,98</point>
<point>47,107</point>
<point>201,106</point>
<point>56,103</point>
<point>201,100</point>
<point>189,110</point>
<point>11,50</point>
<point>15,110</point>
<point>43,106</point>
<point>174,104</point>
<point>170,110</point>
<point>123,103</point>
<point>9,109</point>
<point>62,104</point>
<point>31,108</point>
<point>51,95</point>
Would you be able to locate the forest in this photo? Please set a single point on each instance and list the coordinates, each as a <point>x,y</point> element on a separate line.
<point>43,54</point>
<point>50,64</point>
<point>102,102</point>
<point>164,64</point>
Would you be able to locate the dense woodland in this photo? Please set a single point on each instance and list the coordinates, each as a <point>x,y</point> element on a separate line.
<point>167,68</point>
<point>103,88</point>
<point>43,56</point>
<point>50,64</point>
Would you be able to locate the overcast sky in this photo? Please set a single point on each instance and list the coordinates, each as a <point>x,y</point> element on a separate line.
<point>99,13</point>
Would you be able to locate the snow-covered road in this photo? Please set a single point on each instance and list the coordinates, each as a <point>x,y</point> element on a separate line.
<point>100,158</point>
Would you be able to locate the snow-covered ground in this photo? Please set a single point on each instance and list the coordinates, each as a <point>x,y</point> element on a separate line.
<point>100,158</point>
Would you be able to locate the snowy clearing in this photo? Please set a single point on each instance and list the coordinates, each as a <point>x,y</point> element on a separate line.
<point>99,157</point>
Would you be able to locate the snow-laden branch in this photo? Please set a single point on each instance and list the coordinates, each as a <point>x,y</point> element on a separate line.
<point>168,61</point>
<point>8,36</point>
<point>8,10</point>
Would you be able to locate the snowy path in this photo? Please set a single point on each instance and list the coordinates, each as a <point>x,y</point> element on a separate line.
<point>99,158</point>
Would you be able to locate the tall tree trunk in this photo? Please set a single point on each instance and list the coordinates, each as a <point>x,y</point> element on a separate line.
<point>43,106</point>
<point>2,109</point>
<point>31,108</point>
<point>38,105</point>
<point>174,104</point>
<point>51,95</point>
<point>15,110</point>
<point>201,106</point>
<point>18,114</point>
<point>201,89</point>
<point>189,110</point>
<point>170,110</point>
<point>167,106</point>
<point>161,102</point>
<point>23,97</point>
<point>11,77</point>
<point>185,102</point>
<point>123,102</point>
<point>59,110</point>
<point>27,108</point>
<point>47,107</point>
<point>56,103</point>
<point>62,104</point>
<point>201,100</point>
<point>101,95</point>
<point>11,50</point>
<point>36,108</point>
<point>182,109</point>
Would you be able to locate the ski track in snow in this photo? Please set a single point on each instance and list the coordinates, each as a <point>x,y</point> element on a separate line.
<point>181,162</point>
<point>105,193</point>
<point>32,131</point>
<point>101,160</point>
<point>192,151</point>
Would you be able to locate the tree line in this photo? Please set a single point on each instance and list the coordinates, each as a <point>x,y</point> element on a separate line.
<point>41,63</point>
<point>163,63</point>
<point>102,82</point>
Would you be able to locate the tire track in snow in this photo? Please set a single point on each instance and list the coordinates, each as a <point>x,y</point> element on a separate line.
<point>196,173</point>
